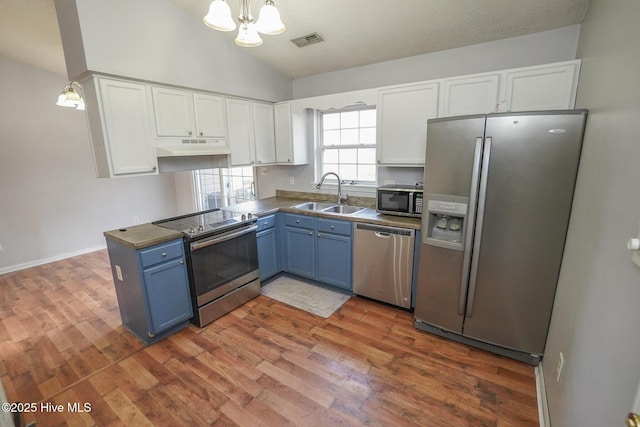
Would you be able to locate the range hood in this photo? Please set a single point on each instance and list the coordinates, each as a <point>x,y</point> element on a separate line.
<point>191,147</point>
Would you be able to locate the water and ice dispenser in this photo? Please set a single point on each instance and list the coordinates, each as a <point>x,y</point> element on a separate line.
<point>446,221</point>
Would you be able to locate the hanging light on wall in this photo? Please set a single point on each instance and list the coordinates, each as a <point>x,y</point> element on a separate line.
<point>70,98</point>
<point>269,22</point>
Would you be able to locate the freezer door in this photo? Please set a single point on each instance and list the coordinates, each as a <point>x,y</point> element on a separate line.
<point>523,214</point>
<point>452,162</point>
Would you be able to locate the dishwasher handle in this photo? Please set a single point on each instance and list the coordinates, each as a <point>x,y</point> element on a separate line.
<point>384,231</point>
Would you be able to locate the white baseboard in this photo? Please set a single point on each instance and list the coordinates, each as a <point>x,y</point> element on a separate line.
<point>541,389</point>
<point>47,260</point>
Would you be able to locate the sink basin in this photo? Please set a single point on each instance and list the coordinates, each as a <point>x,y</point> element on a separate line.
<point>314,206</point>
<point>343,209</point>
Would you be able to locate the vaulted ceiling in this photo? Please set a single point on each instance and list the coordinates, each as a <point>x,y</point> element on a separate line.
<point>356,32</point>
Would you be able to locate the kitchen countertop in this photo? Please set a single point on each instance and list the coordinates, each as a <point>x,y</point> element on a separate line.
<point>284,204</point>
<point>143,235</point>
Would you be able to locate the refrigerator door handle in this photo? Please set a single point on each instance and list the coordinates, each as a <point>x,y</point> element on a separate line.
<point>468,239</point>
<point>478,229</point>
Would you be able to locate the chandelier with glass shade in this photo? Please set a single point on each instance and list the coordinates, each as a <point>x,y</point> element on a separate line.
<point>269,22</point>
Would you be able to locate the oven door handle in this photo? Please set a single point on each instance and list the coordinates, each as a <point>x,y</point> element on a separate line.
<point>222,238</point>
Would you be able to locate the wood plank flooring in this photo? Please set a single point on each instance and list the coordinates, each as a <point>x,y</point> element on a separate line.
<point>264,364</point>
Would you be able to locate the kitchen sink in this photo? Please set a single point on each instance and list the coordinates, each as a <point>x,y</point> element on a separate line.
<point>314,206</point>
<point>343,209</point>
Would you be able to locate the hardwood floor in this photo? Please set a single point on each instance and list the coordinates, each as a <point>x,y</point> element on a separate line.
<point>264,364</point>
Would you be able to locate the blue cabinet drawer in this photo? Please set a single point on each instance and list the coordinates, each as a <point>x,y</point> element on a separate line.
<point>334,226</point>
<point>266,222</point>
<point>301,221</point>
<point>161,252</point>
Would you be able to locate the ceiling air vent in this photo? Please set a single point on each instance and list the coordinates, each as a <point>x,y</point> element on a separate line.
<point>307,40</point>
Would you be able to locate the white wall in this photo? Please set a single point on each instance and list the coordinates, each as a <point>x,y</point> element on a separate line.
<point>596,318</point>
<point>52,205</point>
<point>540,48</point>
<point>533,49</point>
<point>156,41</point>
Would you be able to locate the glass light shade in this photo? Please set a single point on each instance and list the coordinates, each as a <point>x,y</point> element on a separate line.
<point>70,98</point>
<point>219,16</point>
<point>269,21</point>
<point>248,36</point>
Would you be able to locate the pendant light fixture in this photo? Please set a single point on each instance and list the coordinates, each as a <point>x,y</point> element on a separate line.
<point>70,98</point>
<point>269,22</point>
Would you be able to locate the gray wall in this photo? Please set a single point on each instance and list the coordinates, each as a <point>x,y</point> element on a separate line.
<point>596,318</point>
<point>52,205</point>
<point>156,41</point>
<point>533,49</point>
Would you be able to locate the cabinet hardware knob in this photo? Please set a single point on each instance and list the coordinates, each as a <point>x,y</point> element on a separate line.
<point>151,335</point>
<point>201,133</point>
<point>311,233</point>
<point>164,254</point>
<point>318,234</point>
<point>181,261</point>
<point>190,132</point>
<point>332,227</point>
<point>153,168</point>
<point>297,221</point>
<point>288,160</point>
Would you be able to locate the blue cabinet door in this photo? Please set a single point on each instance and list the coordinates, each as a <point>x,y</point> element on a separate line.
<point>168,296</point>
<point>267,253</point>
<point>334,260</point>
<point>300,245</point>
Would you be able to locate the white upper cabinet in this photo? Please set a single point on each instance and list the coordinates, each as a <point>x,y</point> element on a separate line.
<point>290,131</point>
<point>469,95</point>
<point>240,132</point>
<point>121,127</point>
<point>402,117</point>
<point>546,87</point>
<point>211,115</point>
<point>264,134</point>
<point>251,132</point>
<point>180,113</point>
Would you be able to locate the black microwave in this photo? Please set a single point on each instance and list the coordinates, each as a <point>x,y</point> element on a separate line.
<point>402,200</point>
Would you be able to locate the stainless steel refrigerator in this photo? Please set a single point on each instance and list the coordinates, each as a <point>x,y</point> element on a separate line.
<point>498,190</point>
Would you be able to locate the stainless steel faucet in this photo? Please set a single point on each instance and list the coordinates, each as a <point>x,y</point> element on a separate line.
<point>340,198</point>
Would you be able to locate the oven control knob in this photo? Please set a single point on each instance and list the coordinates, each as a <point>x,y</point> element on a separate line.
<point>201,228</point>
<point>243,217</point>
<point>192,230</point>
<point>249,215</point>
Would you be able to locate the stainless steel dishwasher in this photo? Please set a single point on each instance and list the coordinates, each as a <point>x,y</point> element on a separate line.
<point>383,263</point>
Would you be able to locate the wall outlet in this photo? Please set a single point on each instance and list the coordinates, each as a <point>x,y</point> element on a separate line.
<point>291,180</point>
<point>559,367</point>
<point>136,220</point>
<point>263,171</point>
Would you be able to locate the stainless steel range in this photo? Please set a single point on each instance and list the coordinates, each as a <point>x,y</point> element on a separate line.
<point>222,256</point>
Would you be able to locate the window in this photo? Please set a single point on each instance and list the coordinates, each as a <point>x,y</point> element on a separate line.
<point>348,144</point>
<point>215,188</point>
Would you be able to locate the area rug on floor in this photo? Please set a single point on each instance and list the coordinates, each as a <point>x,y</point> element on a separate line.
<point>314,299</point>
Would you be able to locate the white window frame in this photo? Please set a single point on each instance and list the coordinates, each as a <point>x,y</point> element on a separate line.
<point>330,180</point>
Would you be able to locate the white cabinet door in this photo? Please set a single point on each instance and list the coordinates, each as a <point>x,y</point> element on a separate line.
<point>172,112</point>
<point>402,117</point>
<point>263,131</point>
<point>210,115</point>
<point>291,134</point>
<point>547,87</point>
<point>126,136</point>
<point>469,95</point>
<point>240,128</point>
<point>284,132</point>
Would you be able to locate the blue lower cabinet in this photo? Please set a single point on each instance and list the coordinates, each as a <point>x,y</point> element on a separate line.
<point>268,253</point>
<point>319,249</point>
<point>152,288</point>
<point>300,244</point>
<point>334,260</point>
